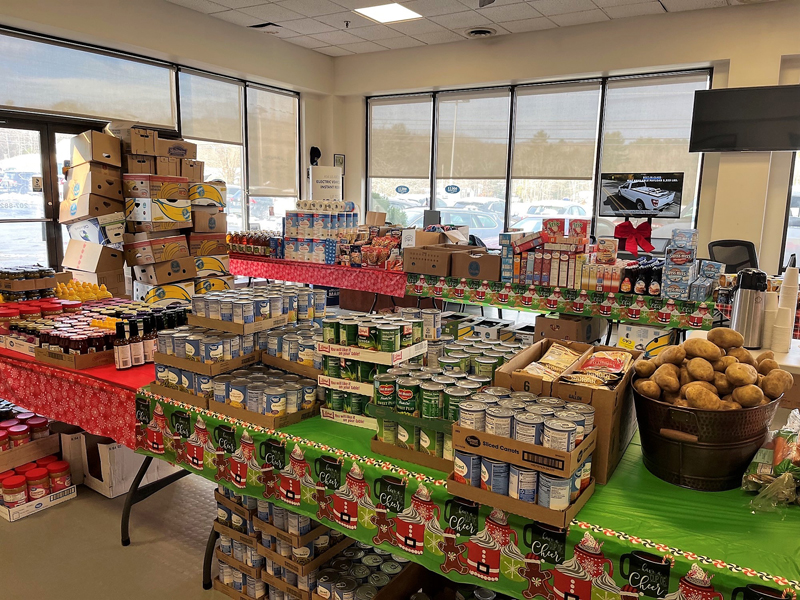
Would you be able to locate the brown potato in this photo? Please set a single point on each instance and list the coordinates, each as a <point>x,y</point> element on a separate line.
<point>777,382</point>
<point>698,347</point>
<point>760,380</point>
<point>666,376</point>
<point>700,369</point>
<point>681,402</point>
<point>704,384</point>
<point>764,355</point>
<point>765,401</point>
<point>648,387</point>
<point>673,354</point>
<point>730,405</point>
<point>748,395</point>
<point>657,360</point>
<point>767,365</point>
<point>725,337</point>
<point>743,355</point>
<point>741,374</point>
<point>727,398</point>
<point>723,363</point>
<point>669,397</point>
<point>684,376</point>
<point>723,385</point>
<point>644,368</point>
<point>699,397</point>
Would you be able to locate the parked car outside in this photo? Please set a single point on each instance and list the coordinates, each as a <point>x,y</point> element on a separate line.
<point>485,226</point>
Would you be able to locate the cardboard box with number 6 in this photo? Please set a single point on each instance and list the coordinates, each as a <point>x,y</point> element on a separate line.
<point>212,193</point>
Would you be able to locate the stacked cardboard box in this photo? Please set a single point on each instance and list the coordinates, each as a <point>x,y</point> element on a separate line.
<point>93,211</point>
<point>207,241</point>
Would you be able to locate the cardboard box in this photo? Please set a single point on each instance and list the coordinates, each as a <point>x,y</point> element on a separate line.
<point>209,369</point>
<point>135,138</point>
<point>291,367</point>
<point>142,185</point>
<point>208,220</point>
<point>292,539</point>
<point>459,325</point>
<point>185,397</point>
<point>512,376</point>
<point>25,348</point>
<point>193,170</point>
<point>493,329</point>
<point>71,448</point>
<point>237,564</point>
<point>30,452</point>
<point>251,541</point>
<point>107,230</point>
<point>168,165</point>
<point>113,280</point>
<point>411,456</point>
<point>43,283</point>
<point>213,265</point>
<point>159,210</point>
<point>207,244</point>
<point>430,260</point>
<point>481,265</point>
<point>177,269</point>
<point>302,570</point>
<point>644,338</point>
<point>75,361</point>
<point>411,238</point>
<point>86,207</point>
<point>93,146</point>
<point>568,327</point>
<point>213,284</point>
<point>268,421</point>
<point>344,418</point>
<point>149,248</point>
<point>93,178</point>
<point>232,593</point>
<point>163,295</point>
<point>138,163</point>
<point>345,385</point>
<point>176,148</point>
<point>373,356</point>
<point>209,193</point>
<point>86,256</point>
<point>240,328</point>
<point>30,508</point>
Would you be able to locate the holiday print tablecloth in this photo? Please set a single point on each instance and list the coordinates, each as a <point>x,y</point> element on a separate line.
<point>412,513</point>
<point>379,281</point>
<point>625,308</point>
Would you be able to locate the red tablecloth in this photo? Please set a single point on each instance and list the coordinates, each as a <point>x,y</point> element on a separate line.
<point>100,400</point>
<point>379,281</point>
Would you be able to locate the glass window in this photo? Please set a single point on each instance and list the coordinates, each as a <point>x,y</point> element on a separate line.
<point>646,130</point>
<point>59,79</point>
<point>400,155</point>
<point>792,245</point>
<point>225,162</point>
<point>272,150</point>
<point>211,109</point>
<point>24,243</point>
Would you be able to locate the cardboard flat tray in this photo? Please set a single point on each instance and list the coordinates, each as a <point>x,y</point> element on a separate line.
<point>240,328</point>
<point>373,356</point>
<point>26,348</point>
<point>75,361</point>
<point>344,418</point>
<point>232,593</point>
<point>209,369</point>
<point>290,366</point>
<point>238,509</point>
<point>295,540</point>
<point>247,540</point>
<point>531,456</point>
<point>412,456</point>
<point>406,583</point>
<point>384,412</point>
<point>25,285</point>
<point>268,421</point>
<point>345,385</point>
<point>29,508</point>
<point>302,570</point>
<point>29,452</point>
<point>237,564</point>
<point>289,590</point>
<point>178,395</point>
<point>558,518</point>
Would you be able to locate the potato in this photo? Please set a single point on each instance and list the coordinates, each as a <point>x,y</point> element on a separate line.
<point>730,405</point>
<point>764,355</point>
<point>777,382</point>
<point>727,398</point>
<point>698,347</point>
<point>760,380</point>
<point>670,397</point>
<point>673,354</point>
<point>681,402</point>
<point>644,368</point>
<point>666,376</point>
<point>700,369</point>
<point>765,401</point>
<point>724,387</point>
<point>741,374</point>
<point>725,337</point>
<point>767,365</point>
<point>657,360</point>
<point>684,376</point>
<point>743,355</point>
<point>723,363</point>
<point>699,397</point>
<point>748,395</point>
<point>648,387</point>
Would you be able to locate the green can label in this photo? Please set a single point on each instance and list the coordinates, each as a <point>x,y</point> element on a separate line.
<point>406,334</point>
<point>353,403</point>
<point>407,437</point>
<point>408,396</point>
<point>368,337</point>
<point>349,369</point>
<point>366,372</point>
<point>387,431</point>
<point>416,329</point>
<point>432,400</point>
<point>334,399</point>
<point>330,331</point>
<point>384,390</point>
<point>348,333</point>
<point>331,366</point>
<point>431,442</point>
<point>388,338</point>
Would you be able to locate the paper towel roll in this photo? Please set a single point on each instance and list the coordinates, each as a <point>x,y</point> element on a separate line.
<point>788,297</point>
<point>771,301</point>
<point>781,339</point>
<point>769,324</point>
<point>790,277</point>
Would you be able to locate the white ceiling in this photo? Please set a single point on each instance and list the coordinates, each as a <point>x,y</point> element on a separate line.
<point>322,25</point>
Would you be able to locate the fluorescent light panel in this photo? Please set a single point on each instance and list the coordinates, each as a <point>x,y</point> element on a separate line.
<point>388,13</point>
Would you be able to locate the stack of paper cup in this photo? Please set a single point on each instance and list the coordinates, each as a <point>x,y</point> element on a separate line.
<point>781,332</point>
<point>770,316</point>
<point>788,295</point>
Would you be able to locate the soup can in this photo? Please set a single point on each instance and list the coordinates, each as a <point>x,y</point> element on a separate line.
<point>464,362</point>
<point>213,308</point>
<point>225,542</point>
<point>537,409</point>
<point>472,415</point>
<point>528,428</point>
<point>274,344</point>
<point>485,366</point>
<point>353,403</point>
<point>411,313</point>
<point>406,333</point>
<point>237,550</point>
<point>384,390</point>
<point>473,386</point>
<point>307,582</point>
<point>467,468</point>
<point>431,442</point>
<point>320,302</point>
<point>255,396</point>
<point>494,476</point>
<point>417,329</point>
<point>500,392</point>
<point>238,579</point>
<point>453,397</point>
<point>407,436</point>
<point>431,400</point>
<point>499,421</point>
<point>226,309</point>
<point>481,379</point>
<point>306,349</point>
<point>162,374</point>
<point>559,434</point>
<point>226,573</point>
<point>309,393</point>
<point>179,343</point>
<point>221,385</point>
<point>526,397</point>
<point>515,405</point>
<point>575,417</point>
<point>432,323</point>
<point>448,363</point>
<point>187,381</point>
<point>165,342</point>
<point>522,483</point>
<point>349,369</point>
<point>587,411</point>
<point>326,579</point>
<point>305,305</point>
<point>408,392</point>
<point>553,492</point>
<point>387,431</point>
<point>367,371</point>
<point>243,311</point>
<point>275,401</point>
<point>203,386</point>
<point>238,392</point>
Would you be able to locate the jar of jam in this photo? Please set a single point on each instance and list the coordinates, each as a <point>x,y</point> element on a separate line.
<point>51,310</point>
<point>30,313</point>
<point>43,462</point>
<point>38,482</point>
<point>19,435</point>
<point>15,491</point>
<point>23,469</point>
<point>65,341</point>
<point>97,341</point>
<point>8,424</point>
<point>55,341</point>
<point>40,427</point>
<point>6,315</point>
<point>79,344</point>
<point>71,306</point>
<point>60,477</point>
<point>44,338</point>
<point>5,442</point>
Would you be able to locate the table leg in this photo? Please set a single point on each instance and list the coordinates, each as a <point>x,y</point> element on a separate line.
<point>136,494</point>
<point>610,330</point>
<point>208,583</point>
<point>374,303</point>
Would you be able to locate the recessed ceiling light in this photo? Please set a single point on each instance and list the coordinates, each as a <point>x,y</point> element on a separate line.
<point>388,13</point>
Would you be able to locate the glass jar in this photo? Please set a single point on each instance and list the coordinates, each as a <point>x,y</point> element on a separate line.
<point>60,478</point>
<point>15,491</point>
<point>38,483</point>
<point>79,344</point>
<point>39,426</point>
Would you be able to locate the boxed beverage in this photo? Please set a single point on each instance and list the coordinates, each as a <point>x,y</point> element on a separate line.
<point>210,193</point>
<point>207,244</point>
<point>163,295</point>
<point>149,248</point>
<point>159,210</point>
<point>138,163</point>
<point>213,265</point>
<point>213,284</point>
<point>177,269</point>
<point>208,219</point>
<point>93,178</point>
<point>168,165</point>
<point>87,207</point>
<point>192,169</point>
<point>176,148</point>
<point>107,230</point>
<point>93,146</point>
<point>86,256</point>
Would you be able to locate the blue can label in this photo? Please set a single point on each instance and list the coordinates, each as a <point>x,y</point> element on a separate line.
<point>554,492</point>
<point>247,344</point>
<point>221,391</point>
<point>203,385</point>
<point>212,351</point>
<point>467,468</point>
<point>187,381</point>
<point>494,476</point>
<point>522,483</point>
<point>226,310</point>
<point>162,374</point>
<point>261,309</point>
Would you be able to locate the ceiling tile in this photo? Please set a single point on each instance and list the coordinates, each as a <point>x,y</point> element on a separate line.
<point>528,25</point>
<point>337,20</point>
<point>474,4</point>
<point>401,42</point>
<point>560,7</point>
<point>337,37</point>
<point>510,12</point>
<point>363,47</point>
<point>306,42</point>
<point>277,31</point>
<point>237,18</point>
<point>240,3</point>
<point>354,4</point>
<point>678,5</point>
<point>375,32</point>
<point>334,51</point>
<point>306,26</point>
<point>461,20</point>
<point>434,8</point>
<point>439,37</point>
<point>607,3</point>
<point>417,26</point>
<point>203,6</point>
<point>634,10</point>
<point>579,18</point>
<point>271,12</point>
<point>310,8</point>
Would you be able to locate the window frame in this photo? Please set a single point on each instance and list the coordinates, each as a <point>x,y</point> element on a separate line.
<point>788,213</point>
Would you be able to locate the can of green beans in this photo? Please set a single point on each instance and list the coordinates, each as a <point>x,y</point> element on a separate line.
<point>388,338</point>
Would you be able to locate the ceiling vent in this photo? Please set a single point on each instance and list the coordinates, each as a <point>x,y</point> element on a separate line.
<point>480,32</point>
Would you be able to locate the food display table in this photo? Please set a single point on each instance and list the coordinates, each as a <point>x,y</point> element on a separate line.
<point>637,536</point>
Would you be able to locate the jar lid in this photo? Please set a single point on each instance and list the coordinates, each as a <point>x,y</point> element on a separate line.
<point>13,482</point>
<point>8,313</point>
<point>37,473</point>
<point>58,466</point>
<point>24,417</point>
<point>29,310</point>
<point>8,423</point>
<point>5,474</point>
<point>47,460</point>
<point>22,469</point>
<point>50,306</point>
<point>18,429</point>
<point>36,422</point>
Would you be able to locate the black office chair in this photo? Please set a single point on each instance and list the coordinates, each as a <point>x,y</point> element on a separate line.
<point>735,254</point>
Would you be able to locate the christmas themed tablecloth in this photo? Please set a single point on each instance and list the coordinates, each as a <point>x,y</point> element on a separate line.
<point>326,471</point>
<point>625,308</point>
<point>100,400</point>
<point>379,281</point>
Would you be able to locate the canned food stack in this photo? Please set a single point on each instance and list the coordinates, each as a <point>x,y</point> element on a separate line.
<point>358,573</point>
<point>263,390</point>
<point>298,303</point>
<point>236,549</point>
<point>18,284</point>
<point>524,417</point>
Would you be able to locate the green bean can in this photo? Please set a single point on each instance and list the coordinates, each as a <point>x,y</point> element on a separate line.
<point>368,336</point>
<point>431,442</point>
<point>366,371</point>
<point>334,399</point>
<point>485,381</point>
<point>408,400</point>
<point>388,338</point>
<point>464,361</point>
<point>348,333</point>
<point>453,396</point>
<point>432,398</point>
<point>353,403</point>
<point>447,447</point>
<point>331,366</point>
<point>384,390</point>
<point>485,366</point>
<point>387,431</point>
<point>416,330</point>
<point>349,369</point>
<point>330,330</point>
<point>407,437</point>
<point>473,354</point>
<point>406,333</point>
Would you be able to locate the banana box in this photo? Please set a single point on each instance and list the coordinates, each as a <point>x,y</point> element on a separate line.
<point>93,178</point>
<point>207,244</point>
<point>170,187</point>
<point>163,295</point>
<point>177,269</point>
<point>212,265</point>
<point>158,210</point>
<point>210,193</point>
<point>150,248</point>
<point>213,284</point>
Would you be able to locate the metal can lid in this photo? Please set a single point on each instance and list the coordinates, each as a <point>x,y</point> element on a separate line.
<point>372,560</point>
<point>484,360</point>
<point>524,396</point>
<point>580,407</point>
<point>457,392</point>
<point>498,391</point>
<point>560,425</point>
<point>472,406</point>
<point>399,559</point>
<point>529,418</point>
<point>430,386</point>
<point>515,405</point>
<point>390,567</point>
<point>445,379</point>
<point>385,377</point>
<point>366,592</point>
<point>569,415</point>
<point>408,381</point>
<point>379,579</point>
<point>469,385</point>
<point>499,412</point>
<point>275,391</point>
<point>360,571</point>
<point>346,584</point>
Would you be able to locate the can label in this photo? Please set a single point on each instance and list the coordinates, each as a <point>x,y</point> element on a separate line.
<point>276,403</point>
<point>387,431</point>
<point>407,437</point>
<point>388,338</point>
<point>349,369</point>
<point>384,391</point>
<point>494,476</point>
<point>353,403</point>
<point>368,337</point>
<point>408,397</point>
<point>447,446</point>
<point>498,424</point>
<point>431,442</point>
<point>331,366</point>
<point>406,335</point>
<point>432,402</point>
<point>334,399</point>
<point>330,331</point>
<point>559,435</point>
<point>417,330</point>
<point>522,483</point>
<point>467,468</point>
<point>553,492</point>
<point>366,372</point>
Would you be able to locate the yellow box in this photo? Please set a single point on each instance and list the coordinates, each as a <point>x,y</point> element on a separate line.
<point>212,193</point>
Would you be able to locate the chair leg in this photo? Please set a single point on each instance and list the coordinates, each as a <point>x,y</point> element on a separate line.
<point>208,558</point>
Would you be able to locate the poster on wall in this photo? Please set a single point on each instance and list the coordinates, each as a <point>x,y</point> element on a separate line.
<point>641,195</point>
<point>326,183</point>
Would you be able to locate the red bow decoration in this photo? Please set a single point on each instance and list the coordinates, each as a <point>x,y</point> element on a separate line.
<point>635,237</point>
